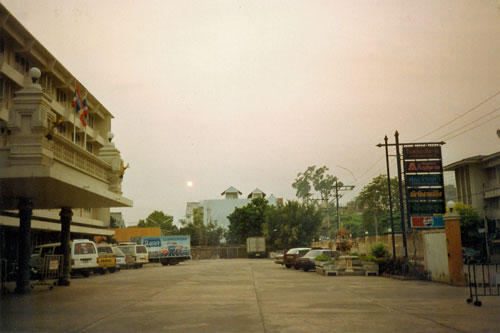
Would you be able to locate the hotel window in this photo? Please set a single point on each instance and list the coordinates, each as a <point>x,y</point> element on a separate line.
<point>78,139</point>
<point>21,64</point>
<point>88,146</point>
<point>91,121</point>
<point>2,45</point>
<point>46,82</point>
<point>61,96</point>
<point>62,129</point>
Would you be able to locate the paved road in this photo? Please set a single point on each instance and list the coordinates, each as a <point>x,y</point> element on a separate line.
<point>245,296</point>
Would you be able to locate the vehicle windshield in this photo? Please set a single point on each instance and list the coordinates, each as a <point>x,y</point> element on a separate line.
<point>304,251</point>
<point>118,252</point>
<point>292,251</point>
<point>104,249</point>
<point>127,249</point>
<point>84,248</point>
<point>141,249</point>
<point>312,254</point>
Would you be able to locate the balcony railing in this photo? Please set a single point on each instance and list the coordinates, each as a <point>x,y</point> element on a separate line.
<point>75,156</point>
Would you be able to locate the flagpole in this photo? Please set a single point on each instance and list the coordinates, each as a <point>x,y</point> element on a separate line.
<point>74,126</point>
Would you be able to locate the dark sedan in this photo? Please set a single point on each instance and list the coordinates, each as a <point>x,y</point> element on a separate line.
<point>307,261</point>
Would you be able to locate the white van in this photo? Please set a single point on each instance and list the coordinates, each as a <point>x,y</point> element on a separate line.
<point>138,253</point>
<point>83,256</point>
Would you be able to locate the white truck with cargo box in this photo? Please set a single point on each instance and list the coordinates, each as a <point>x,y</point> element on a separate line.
<point>167,250</point>
<point>256,247</point>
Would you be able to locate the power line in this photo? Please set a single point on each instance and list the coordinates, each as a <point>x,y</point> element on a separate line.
<point>460,116</point>
<point>466,125</point>
<point>470,129</point>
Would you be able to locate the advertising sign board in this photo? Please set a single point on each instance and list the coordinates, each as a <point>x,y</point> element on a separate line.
<point>425,194</point>
<point>423,166</point>
<point>427,222</point>
<point>424,180</point>
<point>427,152</point>
<point>426,207</point>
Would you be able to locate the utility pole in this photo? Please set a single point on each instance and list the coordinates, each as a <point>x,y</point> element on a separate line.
<point>337,189</point>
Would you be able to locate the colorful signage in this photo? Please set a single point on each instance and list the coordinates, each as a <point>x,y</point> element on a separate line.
<point>423,166</point>
<point>427,222</point>
<point>425,194</point>
<point>426,207</point>
<point>424,180</point>
<point>425,152</point>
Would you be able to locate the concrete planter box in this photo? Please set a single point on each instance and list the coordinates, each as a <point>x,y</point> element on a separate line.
<point>370,267</point>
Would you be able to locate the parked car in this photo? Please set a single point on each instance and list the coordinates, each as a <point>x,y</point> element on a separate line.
<point>121,258</point>
<point>83,256</point>
<point>138,253</point>
<point>306,262</point>
<point>292,254</point>
<point>470,255</point>
<point>106,259</point>
<point>278,259</point>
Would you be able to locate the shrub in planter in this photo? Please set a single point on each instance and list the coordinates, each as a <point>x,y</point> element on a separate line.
<point>322,257</point>
<point>379,250</point>
<point>369,258</point>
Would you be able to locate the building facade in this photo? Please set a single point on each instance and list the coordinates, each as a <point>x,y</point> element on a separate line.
<point>217,210</point>
<point>58,177</point>
<point>478,183</point>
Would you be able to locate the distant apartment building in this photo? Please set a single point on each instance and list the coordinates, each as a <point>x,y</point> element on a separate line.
<point>217,210</point>
<point>478,183</point>
<point>58,178</point>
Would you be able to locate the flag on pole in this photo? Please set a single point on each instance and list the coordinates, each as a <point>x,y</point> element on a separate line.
<point>77,100</point>
<point>85,112</point>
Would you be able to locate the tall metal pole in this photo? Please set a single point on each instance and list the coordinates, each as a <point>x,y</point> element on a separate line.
<point>390,197</point>
<point>337,197</point>
<point>401,201</point>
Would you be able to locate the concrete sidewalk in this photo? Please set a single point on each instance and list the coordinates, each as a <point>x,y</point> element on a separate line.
<point>246,296</point>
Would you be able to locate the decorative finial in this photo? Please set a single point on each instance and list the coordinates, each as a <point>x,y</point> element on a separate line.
<point>35,74</point>
<point>110,136</point>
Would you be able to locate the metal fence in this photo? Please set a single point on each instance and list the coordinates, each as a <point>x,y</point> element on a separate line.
<point>484,280</point>
<point>51,269</point>
<point>218,252</point>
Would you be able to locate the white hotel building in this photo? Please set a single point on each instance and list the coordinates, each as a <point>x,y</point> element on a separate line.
<point>58,179</point>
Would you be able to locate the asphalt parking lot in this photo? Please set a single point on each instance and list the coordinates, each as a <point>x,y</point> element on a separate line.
<point>244,295</point>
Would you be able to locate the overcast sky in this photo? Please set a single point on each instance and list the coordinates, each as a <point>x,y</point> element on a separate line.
<point>250,93</point>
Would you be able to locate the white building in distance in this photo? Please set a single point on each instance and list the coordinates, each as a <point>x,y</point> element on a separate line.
<point>217,210</point>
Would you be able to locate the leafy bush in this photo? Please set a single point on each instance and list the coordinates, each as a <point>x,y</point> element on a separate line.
<point>379,250</point>
<point>322,257</point>
<point>369,258</point>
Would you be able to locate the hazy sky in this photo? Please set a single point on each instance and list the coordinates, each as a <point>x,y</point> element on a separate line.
<point>249,93</point>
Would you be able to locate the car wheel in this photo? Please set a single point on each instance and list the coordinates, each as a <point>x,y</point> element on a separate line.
<point>288,266</point>
<point>296,267</point>
<point>85,274</point>
<point>305,269</point>
<point>112,269</point>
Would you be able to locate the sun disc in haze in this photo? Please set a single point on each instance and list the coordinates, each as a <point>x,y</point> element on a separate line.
<point>189,183</point>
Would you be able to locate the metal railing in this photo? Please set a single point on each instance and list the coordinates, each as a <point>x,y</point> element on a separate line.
<point>50,269</point>
<point>484,280</point>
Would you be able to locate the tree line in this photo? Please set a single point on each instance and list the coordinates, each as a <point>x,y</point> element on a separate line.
<point>312,216</point>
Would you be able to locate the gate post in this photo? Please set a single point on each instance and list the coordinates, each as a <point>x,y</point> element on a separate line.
<point>454,246</point>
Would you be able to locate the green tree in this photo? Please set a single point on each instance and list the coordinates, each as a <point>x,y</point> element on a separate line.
<point>201,234</point>
<point>291,225</point>
<point>374,201</point>
<point>113,223</point>
<point>247,221</point>
<point>470,222</point>
<point>317,179</point>
<point>163,221</point>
